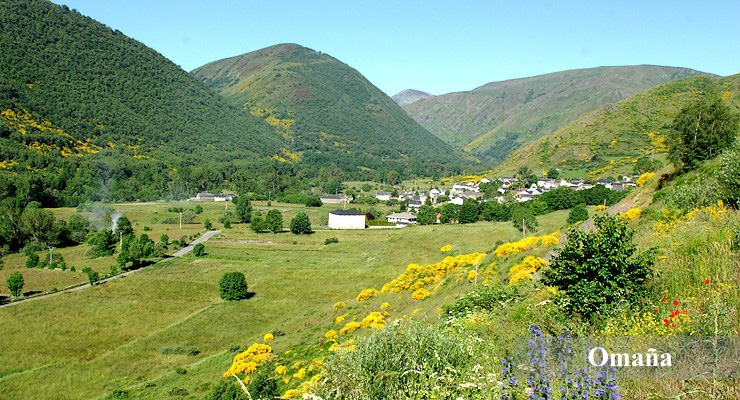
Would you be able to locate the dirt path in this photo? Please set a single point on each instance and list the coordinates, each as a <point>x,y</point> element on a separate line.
<point>185,250</point>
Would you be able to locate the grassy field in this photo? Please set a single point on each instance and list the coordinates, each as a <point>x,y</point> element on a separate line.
<point>85,344</point>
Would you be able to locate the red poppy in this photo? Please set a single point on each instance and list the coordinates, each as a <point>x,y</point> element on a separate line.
<point>665,321</point>
<point>656,310</point>
<point>675,303</point>
<point>707,281</point>
<point>664,299</point>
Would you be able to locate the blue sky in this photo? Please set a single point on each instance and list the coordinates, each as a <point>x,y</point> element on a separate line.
<point>439,46</point>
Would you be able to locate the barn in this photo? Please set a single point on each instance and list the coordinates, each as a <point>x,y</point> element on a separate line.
<point>346,219</point>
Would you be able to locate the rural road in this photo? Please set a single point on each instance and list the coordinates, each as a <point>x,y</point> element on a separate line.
<point>185,250</point>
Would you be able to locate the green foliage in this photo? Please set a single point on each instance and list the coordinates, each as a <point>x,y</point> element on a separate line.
<point>274,221</point>
<point>300,224</point>
<point>199,250</point>
<point>93,277</point>
<point>233,286</point>
<point>188,217</point>
<point>198,209</point>
<point>135,251</point>
<point>482,298</point>
<point>15,284</point>
<point>553,173</point>
<point>258,224</point>
<point>577,214</point>
<point>243,209</point>
<point>313,201</point>
<point>687,196</point>
<point>207,224</point>
<point>227,224</point>
<point>426,215</point>
<point>226,390</point>
<point>469,212</point>
<point>450,213</point>
<point>331,240</point>
<point>523,216</point>
<point>429,350</point>
<point>124,227</point>
<point>32,261</point>
<point>701,130</point>
<point>264,387</point>
<point>729,174</point>
<point>645,165</point>
<point>494,211</point>
<point>594,271</point>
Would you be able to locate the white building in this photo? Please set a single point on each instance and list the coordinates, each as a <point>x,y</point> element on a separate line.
<point>346,219</point>
<point>383,196</point>
<point>402,219</point>
<point>338,199</point>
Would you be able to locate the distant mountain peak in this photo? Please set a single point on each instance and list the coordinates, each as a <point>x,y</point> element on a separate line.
<point>409,96</point>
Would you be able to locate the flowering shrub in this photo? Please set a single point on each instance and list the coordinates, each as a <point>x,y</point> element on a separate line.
<point>670,218</point>
<point>338,320</point>
<point>445,249</point>
<point>281,370</point>
<point>268,337</point>
<point>525,244</point>
<point>526,269</point>
<point>246,362</point>
<point>331,335</point>
<point>339,305</point>
<point>384,306</point>
<point>367,294</point>
<point>645,178</point>
<point>417,276</point>
<point>600,208</point>
<point>631,214</point>
<point>350,327</point>
<point>471,276</point>
<point>421,294</point>
<point>374,320</point>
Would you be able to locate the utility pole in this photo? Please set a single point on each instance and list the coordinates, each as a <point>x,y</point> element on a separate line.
<point>180,220</point>
<point>51,255</point>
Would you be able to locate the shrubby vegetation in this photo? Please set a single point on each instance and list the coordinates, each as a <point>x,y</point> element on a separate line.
<point>233,286</point>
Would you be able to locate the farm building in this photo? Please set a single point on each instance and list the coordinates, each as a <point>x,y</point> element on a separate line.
<point>402,219</point>
<point>346,219</point>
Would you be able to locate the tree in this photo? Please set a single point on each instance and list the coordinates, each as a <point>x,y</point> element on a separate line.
<point>207,224</point>
<point>227,224</point>
<point>15,284</point>
<point>165,239</point>
<point>188,217</point>
<point>32,261</point>
<point>701,130</point>
<point>198,209</point>
<point>426,215</point>
<point>561,198</point>
<point>300,224</point>
<point>553,173</point>
<point>469,212</point>
<point>124,227</point>
<point>233,286</point>
<point>38,224</point>
<point>101,243</point>
<point>729,174</point>
<point>526,176</point>
<point>313,201</point>
<point>93,277</point>
<point>645,164</point>
<point>243,209</point>
<point>274,221</point>
<point>596,270</point>
<point>494,211</point>
<point>199,250</point>
<point>79,228</point>
<point>258,224</point>
<point>450,213</point>
<point>577,214</point>
<point>521,214</point>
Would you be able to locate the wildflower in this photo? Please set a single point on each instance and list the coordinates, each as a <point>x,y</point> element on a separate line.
<point>331,335</point>
<point>384,306</point>
<point>706,281</point>
<point>675,302</point>
<point>339,305</point>
<point>445,249</point>
<point>655,310</point>
<point>281,370</point>
<point>350,327</point>
<point>421,294</point>
<point>290,394</point>
<point>338,320</point>
<point>300,374</point>
<point>367,294</point>
<point>268,337</point>
<point>664,299</point>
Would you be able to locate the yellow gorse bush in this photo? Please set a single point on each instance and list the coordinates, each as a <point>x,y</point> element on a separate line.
<point>338,320</point>
<point>350,327</point>
<point>631,214</point>
<point>526,269</point>
<point>526,244</point>
<point>268,337</point>
<point>421,294</point>
<point>339,305</point>
<point>471,276</point>
<point>367,294</point>
<point>418,276</point>
<point>374,320</point>
<point>645,178</point>
<point>281,370</point>
<point>331,335</point>
<point>600,208</point>
<point>672,217</point>
<point>445,249</point>
<point>246,362</point>
<point>384,306</point>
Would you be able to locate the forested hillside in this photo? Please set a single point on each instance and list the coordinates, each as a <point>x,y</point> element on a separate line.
<point>327,110</point>
<point>497,118</point>
<point>610,141</point>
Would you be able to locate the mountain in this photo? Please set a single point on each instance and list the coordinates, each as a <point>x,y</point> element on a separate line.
<point>497,118</point>
<point>409,96</point>
<point>610,140</point>
<point>327,110</point>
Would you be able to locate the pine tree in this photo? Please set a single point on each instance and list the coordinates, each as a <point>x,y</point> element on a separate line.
<point>300,224</point>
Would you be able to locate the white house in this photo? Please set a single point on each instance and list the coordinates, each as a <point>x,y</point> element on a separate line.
<point>346,219</point>
<point>205,196</point>
<point>458,200</point>
<point>339,199</point>
<point>402,219</point>
<point>484,180</point>
<point>383,196</point>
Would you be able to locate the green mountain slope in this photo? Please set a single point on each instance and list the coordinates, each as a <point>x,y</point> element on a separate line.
<point>97,85</point>
<point>326,109</point>
<point>608,141</point>
<point>499,117</point>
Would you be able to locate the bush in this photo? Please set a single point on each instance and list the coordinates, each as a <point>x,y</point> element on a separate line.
<point>274,221</point>
<point>207,224</point>
<point>93,277</point>
<point>198,209</point>
<point>264,387</point>
<point>233,286</point>
<point>181,371</point>
<point>15,284</point>
<point>701,130</point>
<point>331,240</point>
<point>300,224</point>
<point>199,250</point>
<point>227,224</point>
<point>117,395</point>
<point>380,365</point>
<point>729,174</point>
<point>32,261</point>
<point>313,201</point>
<point>523,216</point>
<point>595,270</point>
<point>699,193</point>
<point>258,224</point>
<point>226,390</point>
<point>243,209</point>
<point>577,214</point>
<point>485,298</point>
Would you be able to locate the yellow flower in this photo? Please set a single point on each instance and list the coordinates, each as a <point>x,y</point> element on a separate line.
<point>290,394</point>
<point>445,249</point>
<point>339,305</point>
<point>367,294</point>
<point>384,306</point>
<point>374,320</point>
<point>471,276</point>
<point>631,214</point>
<point>600,207</point>
<point>421,294</point>
<point>268,337</point>
<point>300,374</point>
<point>281,370</point>
<point>350,327</point>
<point>331,335</point>
<point>645,178</point>
<point>338,320</point>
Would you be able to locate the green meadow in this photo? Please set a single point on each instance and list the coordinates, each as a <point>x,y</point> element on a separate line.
<point>121,334</point>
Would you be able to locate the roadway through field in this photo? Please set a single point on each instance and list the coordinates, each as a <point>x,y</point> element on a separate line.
<point>185,250</point>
